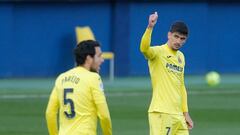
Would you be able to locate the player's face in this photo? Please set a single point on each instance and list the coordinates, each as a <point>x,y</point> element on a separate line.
<point>97,60</point>
<point>176,40</point>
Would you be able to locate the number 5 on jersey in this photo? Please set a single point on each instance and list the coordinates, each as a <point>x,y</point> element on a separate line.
<point>69,101</point>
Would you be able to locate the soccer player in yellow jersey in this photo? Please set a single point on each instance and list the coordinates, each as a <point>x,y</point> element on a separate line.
<point>77,99</point>
<point>168,111</point>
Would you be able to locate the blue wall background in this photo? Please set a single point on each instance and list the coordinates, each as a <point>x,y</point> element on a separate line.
<point>37,39</point>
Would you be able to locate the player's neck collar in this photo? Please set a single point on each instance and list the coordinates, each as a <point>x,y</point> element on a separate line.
<point>170,49</point>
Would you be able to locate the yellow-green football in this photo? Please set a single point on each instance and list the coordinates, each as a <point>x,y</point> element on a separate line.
<point>213,78</point>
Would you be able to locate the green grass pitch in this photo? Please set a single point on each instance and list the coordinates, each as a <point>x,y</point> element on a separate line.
<point>215,110</point>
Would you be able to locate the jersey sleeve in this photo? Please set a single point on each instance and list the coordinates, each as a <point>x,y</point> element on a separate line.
<point>145,48</point>
<point>102,107</point>
<point>184,99</point>
<point>184,91</point>
<point>51,113</point>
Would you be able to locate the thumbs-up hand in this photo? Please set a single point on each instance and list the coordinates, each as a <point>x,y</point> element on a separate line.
<point>152,20</point>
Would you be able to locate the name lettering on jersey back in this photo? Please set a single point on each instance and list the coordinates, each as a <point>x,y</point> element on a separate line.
<point>72,79</point>
<point>174,67</point>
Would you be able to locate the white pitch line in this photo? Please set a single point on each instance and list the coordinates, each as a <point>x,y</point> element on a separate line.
<point>212,92</point>
<point>23,96</point>
<point>115,94</point>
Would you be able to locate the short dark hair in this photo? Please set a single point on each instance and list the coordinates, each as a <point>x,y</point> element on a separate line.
<point>83,49</point>
<point>180,27</point>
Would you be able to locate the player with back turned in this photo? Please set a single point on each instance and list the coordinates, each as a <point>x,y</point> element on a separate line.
<point>77,98</point>
<point>168,111</point>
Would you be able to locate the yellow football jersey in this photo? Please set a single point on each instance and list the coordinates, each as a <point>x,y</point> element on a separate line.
<point>166,69</point>
<point>79,100</point>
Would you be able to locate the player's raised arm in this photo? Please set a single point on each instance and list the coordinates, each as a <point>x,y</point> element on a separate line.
<point>146,39</point>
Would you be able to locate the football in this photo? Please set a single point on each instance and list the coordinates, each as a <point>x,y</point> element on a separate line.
<point>213,78</point>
